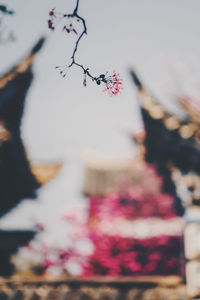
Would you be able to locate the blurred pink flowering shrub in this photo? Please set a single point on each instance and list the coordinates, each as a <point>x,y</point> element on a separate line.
<point>119,256</point>
<point>146,238</point>
<point>132,205</point>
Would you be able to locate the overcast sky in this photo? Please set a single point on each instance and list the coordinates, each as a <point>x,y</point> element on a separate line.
<point>62,118</point>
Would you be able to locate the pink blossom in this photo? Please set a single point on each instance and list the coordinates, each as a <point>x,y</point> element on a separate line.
<point>52,15</point>
<point>113,84</point>
<point>55,18</point>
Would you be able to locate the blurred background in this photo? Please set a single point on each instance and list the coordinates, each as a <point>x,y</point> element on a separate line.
<point>101,184</point>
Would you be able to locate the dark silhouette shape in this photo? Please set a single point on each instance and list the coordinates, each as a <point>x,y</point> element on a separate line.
<point>166,147</point>
<point>10,241</point>
<point>16,179</point>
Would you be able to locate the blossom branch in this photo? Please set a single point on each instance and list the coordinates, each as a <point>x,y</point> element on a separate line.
<point>113,83</point>
<point>78,40</point>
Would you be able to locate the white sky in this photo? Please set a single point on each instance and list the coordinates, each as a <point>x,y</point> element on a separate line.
<point>62,118</point>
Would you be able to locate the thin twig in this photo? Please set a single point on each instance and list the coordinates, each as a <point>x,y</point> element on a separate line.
<point>76,8</point>
<point>78,40</point>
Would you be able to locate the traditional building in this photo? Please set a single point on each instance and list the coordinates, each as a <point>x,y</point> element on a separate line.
<point>19,178</point>
<point>173,146</point>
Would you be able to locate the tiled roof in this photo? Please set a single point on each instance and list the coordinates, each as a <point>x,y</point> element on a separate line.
<point>77,289</point>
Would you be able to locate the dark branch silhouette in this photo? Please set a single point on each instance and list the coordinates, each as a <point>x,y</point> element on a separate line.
<point>112,83</point>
